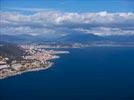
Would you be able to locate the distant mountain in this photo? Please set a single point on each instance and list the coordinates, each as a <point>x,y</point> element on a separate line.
<point>81,38</point>
<point>73,37</point>
<point>15,38</point>
<point>121,38</point>
<point>22,38</point>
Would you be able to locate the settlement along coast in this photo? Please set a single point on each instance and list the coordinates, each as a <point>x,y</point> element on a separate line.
<point>34,58</point>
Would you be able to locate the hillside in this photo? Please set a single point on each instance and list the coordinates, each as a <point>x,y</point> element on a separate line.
<point>10,50</point>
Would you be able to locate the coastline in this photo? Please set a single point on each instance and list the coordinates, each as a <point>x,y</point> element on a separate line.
<point>33,59</point>
<point>29,70</point>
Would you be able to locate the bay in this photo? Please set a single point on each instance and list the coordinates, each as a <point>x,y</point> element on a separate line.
<point>96,73</point>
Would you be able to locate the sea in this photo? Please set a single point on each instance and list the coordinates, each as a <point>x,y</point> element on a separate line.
<point>94,73</point>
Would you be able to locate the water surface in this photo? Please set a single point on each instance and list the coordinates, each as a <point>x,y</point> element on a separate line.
<point>96,73</point>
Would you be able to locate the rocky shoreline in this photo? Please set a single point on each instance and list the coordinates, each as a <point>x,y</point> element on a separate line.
<point>29,70</point>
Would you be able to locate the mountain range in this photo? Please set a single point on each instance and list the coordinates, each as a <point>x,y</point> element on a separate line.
<point>70,38</point>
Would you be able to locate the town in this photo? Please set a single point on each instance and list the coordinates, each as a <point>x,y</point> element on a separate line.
<point>33,59</point>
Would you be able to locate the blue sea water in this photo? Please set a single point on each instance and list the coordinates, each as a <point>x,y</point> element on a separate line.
<point>96,73</point>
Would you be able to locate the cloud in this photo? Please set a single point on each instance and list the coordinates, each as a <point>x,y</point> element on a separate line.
<point>106,31</point>
<point>60,23</point>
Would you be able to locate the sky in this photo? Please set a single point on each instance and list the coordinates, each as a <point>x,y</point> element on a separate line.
<point>72,5</point>
<point>61,17</point>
